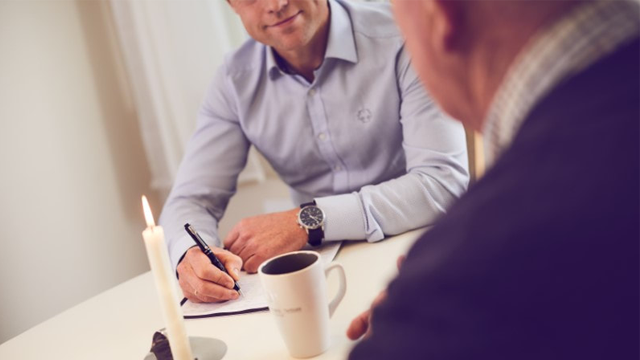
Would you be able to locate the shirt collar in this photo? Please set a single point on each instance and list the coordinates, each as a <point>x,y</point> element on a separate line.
<point>340,44</point>
<point>588,33</point>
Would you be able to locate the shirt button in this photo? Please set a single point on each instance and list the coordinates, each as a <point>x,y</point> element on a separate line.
<point>337,168</point>
<point>322,136</point>
<point>312,92</point>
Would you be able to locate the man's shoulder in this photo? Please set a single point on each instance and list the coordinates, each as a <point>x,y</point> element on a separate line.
<point>576,150</point>
<point>591,100</point>
<point>373,20</point>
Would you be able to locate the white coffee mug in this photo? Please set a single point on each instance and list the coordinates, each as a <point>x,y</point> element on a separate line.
<point>295,284</point>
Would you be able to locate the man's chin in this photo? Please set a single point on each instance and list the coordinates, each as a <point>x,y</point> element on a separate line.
<point>290,42</point>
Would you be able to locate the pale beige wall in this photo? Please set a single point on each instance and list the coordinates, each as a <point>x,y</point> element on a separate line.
<point>72,165</point>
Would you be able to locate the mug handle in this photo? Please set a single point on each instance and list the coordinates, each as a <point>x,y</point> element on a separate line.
<point>341,290</point>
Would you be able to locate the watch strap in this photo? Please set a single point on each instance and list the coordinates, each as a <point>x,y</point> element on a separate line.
<point>315,235</point>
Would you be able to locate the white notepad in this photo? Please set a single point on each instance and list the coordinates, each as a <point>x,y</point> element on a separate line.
<point>254,298</point>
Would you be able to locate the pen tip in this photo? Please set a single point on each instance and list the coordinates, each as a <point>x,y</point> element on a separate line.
<point>241,293</point>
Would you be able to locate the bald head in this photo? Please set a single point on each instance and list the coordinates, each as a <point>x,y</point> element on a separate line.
<point>462,49</point>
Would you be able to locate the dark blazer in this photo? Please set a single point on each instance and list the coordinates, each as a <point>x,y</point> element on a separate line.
<point>539,260</point>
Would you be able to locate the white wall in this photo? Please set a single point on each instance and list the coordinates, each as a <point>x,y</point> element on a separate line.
<point>72,165</point>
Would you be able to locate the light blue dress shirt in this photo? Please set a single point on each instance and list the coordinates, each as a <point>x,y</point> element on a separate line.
<point>363,139</point>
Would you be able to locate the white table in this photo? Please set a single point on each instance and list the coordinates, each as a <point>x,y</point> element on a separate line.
<point>119,323</point>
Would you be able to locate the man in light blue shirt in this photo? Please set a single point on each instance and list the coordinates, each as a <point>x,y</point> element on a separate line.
<point>325,91</point>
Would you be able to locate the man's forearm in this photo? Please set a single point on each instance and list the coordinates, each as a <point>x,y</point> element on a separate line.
<point>411,201</point>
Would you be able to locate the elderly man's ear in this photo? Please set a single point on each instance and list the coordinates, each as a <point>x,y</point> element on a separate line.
<point>447,19</point>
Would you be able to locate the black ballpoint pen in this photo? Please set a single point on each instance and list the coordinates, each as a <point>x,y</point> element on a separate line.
<point>207,251</point>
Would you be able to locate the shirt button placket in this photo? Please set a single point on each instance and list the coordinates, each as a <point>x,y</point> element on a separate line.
<point>319,123</point>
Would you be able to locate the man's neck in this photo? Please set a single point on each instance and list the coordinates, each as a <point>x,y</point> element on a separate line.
<point>306,60</point>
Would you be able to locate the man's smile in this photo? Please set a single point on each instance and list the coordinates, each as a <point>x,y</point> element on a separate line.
<point>286,21</point>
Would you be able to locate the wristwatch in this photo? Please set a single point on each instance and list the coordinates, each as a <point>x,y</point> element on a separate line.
<point>312,218</point>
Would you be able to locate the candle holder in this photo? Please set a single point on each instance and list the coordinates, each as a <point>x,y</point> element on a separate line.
<point>202,348</point>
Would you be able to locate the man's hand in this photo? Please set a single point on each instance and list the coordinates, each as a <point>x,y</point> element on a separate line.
<point>361,325</point>
<point>259,238</point>
<point>201,281</point>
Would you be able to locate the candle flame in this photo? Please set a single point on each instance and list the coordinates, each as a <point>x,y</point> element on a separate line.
<point>148,216</point>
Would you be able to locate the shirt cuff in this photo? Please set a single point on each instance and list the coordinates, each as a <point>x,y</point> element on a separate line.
<point>344,219</point>
<point>178,249</point>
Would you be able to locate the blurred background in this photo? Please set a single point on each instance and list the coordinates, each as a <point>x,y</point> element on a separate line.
<point>97,99</point>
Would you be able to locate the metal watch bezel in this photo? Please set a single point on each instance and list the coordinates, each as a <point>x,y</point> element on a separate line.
<point>307,227</point>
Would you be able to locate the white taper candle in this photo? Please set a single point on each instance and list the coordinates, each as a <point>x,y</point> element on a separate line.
<point>165,284</point>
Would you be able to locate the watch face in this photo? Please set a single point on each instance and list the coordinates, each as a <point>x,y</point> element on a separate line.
<point>311,217</point>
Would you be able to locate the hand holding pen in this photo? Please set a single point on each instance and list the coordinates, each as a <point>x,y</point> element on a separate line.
<point>201,282</point>
<point>207,251</point>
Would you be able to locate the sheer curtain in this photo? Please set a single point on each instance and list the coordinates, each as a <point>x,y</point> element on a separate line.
<point>172,49</point>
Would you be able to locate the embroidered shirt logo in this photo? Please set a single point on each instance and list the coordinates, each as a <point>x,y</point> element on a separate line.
<point>364,115</point>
